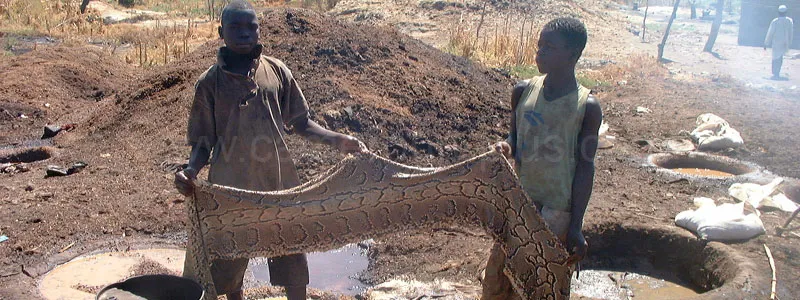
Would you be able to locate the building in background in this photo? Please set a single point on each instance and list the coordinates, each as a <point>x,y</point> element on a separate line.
<point>756,17</point>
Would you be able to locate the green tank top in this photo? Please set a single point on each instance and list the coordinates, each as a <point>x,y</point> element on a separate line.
<point>547,143</point>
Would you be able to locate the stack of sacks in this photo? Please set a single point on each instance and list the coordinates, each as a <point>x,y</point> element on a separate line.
<point>762,196</point>
<point>726,222</point>
<point>714,134</point>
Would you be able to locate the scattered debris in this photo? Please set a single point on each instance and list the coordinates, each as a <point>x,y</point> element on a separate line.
<point>604,141</point>
<point>105,155</point>
<point>91,289</point>
<point>45,196</point>
<point>640,110</point>
<point>681,145</point>
<point>12,168</point>
<point>54,171</point>
<point>5,165</point>
<point>762,196</point>
<point>714,133</point>
<point>51,131</point>
<point>3,238</point>
<point>725,222</point>
<point>402,288</point>
<point>648,216</point>
<point>785,226</point>
<point>66,248</point>
<point>771,266</point>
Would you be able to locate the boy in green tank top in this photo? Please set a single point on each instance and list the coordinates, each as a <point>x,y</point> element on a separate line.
<point>553,141</point>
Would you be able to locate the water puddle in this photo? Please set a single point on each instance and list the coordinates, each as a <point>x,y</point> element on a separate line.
<point>335,271</point>
<point>702,172</point>
<point>622,285</point>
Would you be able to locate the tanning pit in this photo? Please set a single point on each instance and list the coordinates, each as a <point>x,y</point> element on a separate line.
<point>638,262</point>
<point>26,155</point>
<point>702,165</point>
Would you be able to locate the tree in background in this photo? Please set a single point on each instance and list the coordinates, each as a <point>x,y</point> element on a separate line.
<point>127,3</point>
<point>712,38</point>
<point>666,33</point>
<point>84,3</point>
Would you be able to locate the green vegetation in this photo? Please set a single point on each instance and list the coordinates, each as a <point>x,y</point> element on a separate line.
<point>7,44</point>
<point>589,82</point>
<point>525,71</point>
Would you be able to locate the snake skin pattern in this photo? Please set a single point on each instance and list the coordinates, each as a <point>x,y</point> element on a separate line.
<point>366,196</point>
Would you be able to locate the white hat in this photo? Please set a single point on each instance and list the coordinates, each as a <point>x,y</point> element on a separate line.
<point>782,8</point>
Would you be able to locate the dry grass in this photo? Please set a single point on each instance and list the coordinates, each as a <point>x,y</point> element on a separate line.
<point>636,69</point>
<point>145,44</point>
<point>505,44</point>
<point>160,43</point>
<point>512,44</point>
<point>153,42</point>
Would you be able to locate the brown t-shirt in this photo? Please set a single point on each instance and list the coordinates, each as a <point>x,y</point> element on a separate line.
<point>242,118</point>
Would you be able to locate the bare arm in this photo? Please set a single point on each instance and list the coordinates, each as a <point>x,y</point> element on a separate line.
<point>312,131</point>
<point>198,158</point>
<point>584,175</point>
<point>201,136</point>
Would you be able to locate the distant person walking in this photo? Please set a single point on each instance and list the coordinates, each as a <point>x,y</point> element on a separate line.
<point>779,37</point>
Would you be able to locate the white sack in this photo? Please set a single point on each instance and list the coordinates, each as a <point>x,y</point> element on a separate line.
<point>720,223</point>
<point>714,133</point>
<point>761,196</point>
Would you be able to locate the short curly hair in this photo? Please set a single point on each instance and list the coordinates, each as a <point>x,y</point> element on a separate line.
<point>572,30</point>
<point>235,5</point>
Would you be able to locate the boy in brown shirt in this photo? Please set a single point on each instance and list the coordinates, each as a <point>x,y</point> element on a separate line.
<point>241,106</point>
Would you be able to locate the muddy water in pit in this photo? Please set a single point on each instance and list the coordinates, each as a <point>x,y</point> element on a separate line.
<point>702,172</point>
<point>619,285</point>
<point>333,271</point>
<point>83,277</point>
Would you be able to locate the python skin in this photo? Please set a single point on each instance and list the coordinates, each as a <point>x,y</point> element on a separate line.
<point>366,196</point>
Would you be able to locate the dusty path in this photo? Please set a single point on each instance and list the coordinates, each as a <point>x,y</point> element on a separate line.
<point>749,65</point>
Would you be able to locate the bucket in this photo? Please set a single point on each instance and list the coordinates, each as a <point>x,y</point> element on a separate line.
<point>153,287</point>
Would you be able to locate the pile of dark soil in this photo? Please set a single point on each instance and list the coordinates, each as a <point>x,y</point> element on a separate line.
<point>47,83</point>
<point>406,100</point>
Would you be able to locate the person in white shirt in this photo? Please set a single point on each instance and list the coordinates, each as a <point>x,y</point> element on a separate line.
<point>779,37</point>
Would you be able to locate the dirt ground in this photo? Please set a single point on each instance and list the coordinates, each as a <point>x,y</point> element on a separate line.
<point>405,99</point>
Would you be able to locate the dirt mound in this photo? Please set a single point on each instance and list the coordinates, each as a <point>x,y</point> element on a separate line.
<point>52,81</point>
<point>405,99</point>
